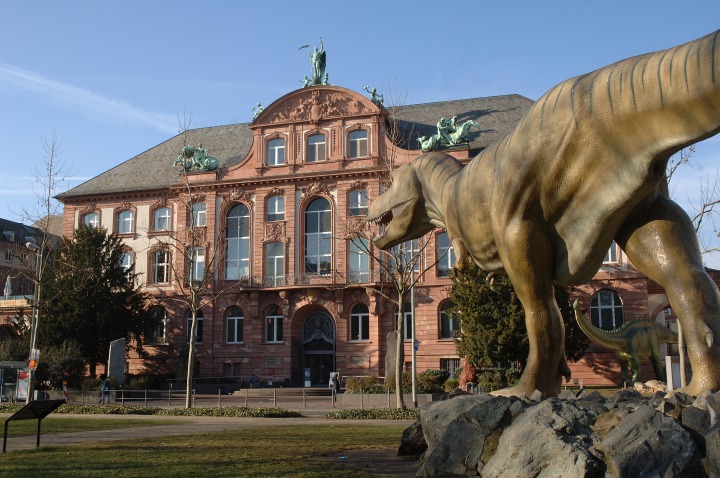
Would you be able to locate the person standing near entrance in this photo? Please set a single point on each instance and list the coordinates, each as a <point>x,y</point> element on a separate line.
<point>335,384</point>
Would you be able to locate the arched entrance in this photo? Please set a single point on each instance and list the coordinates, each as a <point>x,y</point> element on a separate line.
<point>318,339</point>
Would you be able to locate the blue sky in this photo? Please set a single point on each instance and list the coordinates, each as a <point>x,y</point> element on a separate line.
<point>111,78</point>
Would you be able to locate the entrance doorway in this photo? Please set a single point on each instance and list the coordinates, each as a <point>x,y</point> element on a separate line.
<point>318,338</point>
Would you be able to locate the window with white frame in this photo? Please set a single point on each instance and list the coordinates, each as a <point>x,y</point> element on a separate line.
<point>160,267</point>
<point>126,260</point>
<point>234,325</point>
<point>196,264</point>
<point>276,152</point>
<point>8,255</point>
<point>318,237</point>
<point>445,255</point>
<point>358,144</point>
<point>606,310</point>
<point>407,321</point>
<point>276,208</point>
<point>613,254</point>
<point>160,333</point>
<point>315,148</point>
<point>359,202</point>
<point>198,329</point>
<point>273,325</point>
<point>358,260</point>
<point>199,216</point>
<point>405,255</point>
<point>161,219</point>
<point>449,324</point>
<point>125,222</point>
<point>91,219</point>
<point>237,262</point>
<point>359,322</point>
<point>275,264</point>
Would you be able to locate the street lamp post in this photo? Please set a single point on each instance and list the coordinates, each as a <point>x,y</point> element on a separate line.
<point>34,322</point>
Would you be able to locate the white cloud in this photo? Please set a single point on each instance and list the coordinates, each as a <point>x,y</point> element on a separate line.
<point>86,99</point>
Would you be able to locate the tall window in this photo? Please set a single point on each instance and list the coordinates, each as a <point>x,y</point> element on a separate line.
<point>273,325</point>
<point>359,260</point>
<point>196,264</point>
<point>237,264</point>
<point>160,266</point>
<point>125,220</point>
<point>358,144</point>
<point>126,260</point>
<point>612,256</point>
<point>161,219</point>
<point>198,331</point>
<point>276,152</point>
<point>316,148</point>
<point>407,254</point>
<point>91,219</point>
<point>449,324</point>
<point>407,321</point>
<point>235,321</point>
<point>276,208</point>
<point>318,237</point>
<point>198,214</point>
<point>359,202</point>
<point>445,254</point>
<point>8,255</point>
<point>359,322</point>
<point>160,334</point>
<point>274,264</point>
<point>606,310</point>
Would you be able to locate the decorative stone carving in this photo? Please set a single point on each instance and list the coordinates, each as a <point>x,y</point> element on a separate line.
<point>356,227</point>
<point>126,205</point>
<point>276,191</point>
<point>237,194</point>
<point>359,184</point>
<point>316,188</point>
<point>88,208</point>
<point>319,106</point>
<point>161,202</point>
<point>275,232</point>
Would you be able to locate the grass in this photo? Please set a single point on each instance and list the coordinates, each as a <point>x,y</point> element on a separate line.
<point>292,451</point>
<point>65,425</point>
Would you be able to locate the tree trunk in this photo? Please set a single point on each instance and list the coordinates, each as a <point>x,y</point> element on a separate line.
<point>191,360</point>
<point>399,361</point>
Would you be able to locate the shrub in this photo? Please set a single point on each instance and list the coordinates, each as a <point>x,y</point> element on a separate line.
<point>369,384</point>
<point>432,381</point>
<point>451,384</point>
<point>491,378</point>
<point>374,413</point>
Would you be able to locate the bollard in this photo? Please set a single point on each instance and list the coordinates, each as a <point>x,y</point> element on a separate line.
<point>361,400</point>
<point>82,396</point>
<point>332,398</point>
<point>122,396</point>
<point>388,398</point>
<point>219,397</point>
<point>192,394</point>
<point>146,397</point>
<point>170,395</point>
<point>274,397</point>
<point>304,403</point>
<point>246,398</point>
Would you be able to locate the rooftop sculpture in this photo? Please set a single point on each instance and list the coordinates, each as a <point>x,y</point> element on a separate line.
<point>317,61</point>
<point>375,97</point>
<point>449,133</point>
<point>195,159</point>
<point>584,167</point>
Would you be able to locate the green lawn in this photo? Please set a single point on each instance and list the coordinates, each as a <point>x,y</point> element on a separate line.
<point>293,451</point>
<point>62,425</point>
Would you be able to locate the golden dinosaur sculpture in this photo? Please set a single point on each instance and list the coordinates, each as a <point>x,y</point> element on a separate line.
<point>632,342</point>
<point>586,165</point>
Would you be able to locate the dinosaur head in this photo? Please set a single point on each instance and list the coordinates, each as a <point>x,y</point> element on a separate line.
<point>400,210</point>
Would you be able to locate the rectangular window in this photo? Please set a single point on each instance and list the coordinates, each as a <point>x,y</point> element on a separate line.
<point>199,330</point>
<point>359,325</point>
<point>316,148</point>
<point>196,264</point>
<point>407,324</point>
<point>450,364</point>
<point>405,255</point>
<point>91,219</point>
<point>126,260</point>
<point>275,264</point>
<point>198,214</point>
<point>359,203</point>
<point>445,255</point>
<point>161,219</point>
<point>8,255</point>
<point>276,208</point>
<point>359,260</point>
<point>358,141</point>
<point>612,256</point>
<point>160,267</point>
<point>125,220</point>
<point>273,328</point>
<point>235,330</point>
<point>276,152</point>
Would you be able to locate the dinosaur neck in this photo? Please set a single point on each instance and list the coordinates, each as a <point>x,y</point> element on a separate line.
<point>437,173</point>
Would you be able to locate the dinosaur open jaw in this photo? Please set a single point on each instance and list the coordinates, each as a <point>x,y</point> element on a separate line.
<point>383,218</point>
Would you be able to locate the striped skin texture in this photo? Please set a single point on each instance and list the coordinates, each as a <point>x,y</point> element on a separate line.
<point>584,167</point>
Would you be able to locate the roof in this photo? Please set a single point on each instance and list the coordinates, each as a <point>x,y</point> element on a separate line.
<point>16,233</point>
<point>154,170</point>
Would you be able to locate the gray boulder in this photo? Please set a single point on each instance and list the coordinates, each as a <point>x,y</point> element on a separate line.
<point>412,442</point>
<point>550,439</point>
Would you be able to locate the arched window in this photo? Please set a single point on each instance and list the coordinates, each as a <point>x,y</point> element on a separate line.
<point>235,320</point>
<point>359,322</point>
<point>315,148</point>
<point>126,260</point>
<point>276,208</point>
<point>445,255</point>
<point>125,222</point>
<point>359,202</point>
<point>160,334</point>
<point>198,331</point>
<point>318,237</point>
<point>358,144</point>
<point>273,324</point>
<point>91,219</point>
<point>161,219</point>
<point>237,263</point>
<point>276,152</point>
<point>449,324</point>
<point>606,310</point>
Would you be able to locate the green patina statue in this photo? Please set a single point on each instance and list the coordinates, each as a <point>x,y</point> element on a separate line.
<point>317,60</point>
<point>257,110</point>
<point>584,167</point>
<point>375,97</point>
<point>449,133</point>
<point>632,343</point>
<point>196,159</point>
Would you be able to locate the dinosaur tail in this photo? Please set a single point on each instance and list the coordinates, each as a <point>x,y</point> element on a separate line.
<point>598,336</point>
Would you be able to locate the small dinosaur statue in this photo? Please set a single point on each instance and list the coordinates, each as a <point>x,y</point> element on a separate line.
<point>632,342</point>
<point>584,167</point>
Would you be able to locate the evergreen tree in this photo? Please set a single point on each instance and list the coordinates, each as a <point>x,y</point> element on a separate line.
<point>493,320</point>
<point>90,298</point>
